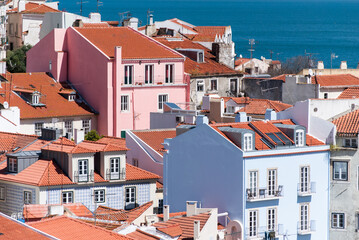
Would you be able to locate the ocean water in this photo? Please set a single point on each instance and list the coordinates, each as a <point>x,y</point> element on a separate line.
<point>287,28</point>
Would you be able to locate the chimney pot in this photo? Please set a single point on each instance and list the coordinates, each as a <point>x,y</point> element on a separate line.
<point>320,65</point>
<point>196,229</point>
<point>166,213</point>
<point>343,65</point>
<point>191,208</point>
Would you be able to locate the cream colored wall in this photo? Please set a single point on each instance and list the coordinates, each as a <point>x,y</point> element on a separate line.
<point>352,71</point>
<point>333,93</point>
<point>107,161</point>
<point>77,157</point>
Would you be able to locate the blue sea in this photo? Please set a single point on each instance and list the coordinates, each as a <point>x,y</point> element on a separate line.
<point>287,28</point>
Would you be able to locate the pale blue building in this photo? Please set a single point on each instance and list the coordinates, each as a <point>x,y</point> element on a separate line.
<point>269,176</point>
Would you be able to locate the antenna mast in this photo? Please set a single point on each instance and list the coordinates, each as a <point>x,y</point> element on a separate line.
<point>251,42</point>
<point>99,4</point>
<point>149,12</point>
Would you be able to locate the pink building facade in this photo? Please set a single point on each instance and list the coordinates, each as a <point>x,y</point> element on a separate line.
<point>120,72</point>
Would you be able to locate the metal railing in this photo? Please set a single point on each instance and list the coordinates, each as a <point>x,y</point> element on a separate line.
<point>121,175</point>
<point>264,193</point>
<point>262,231</point>
<point>84,177</point>
<point>306,189</point>
<point>306,227</point>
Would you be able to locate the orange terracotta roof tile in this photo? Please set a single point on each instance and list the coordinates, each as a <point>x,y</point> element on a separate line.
<point>107,213</point>
<point>179,22</point>
<point>174,214</point>
<point>335,80</point>
<point>208,67</point>
<point>64,141</point>
<point>186,224</point>
<point>280,77</point>
<point>275,62</point>
<point>12,229</point>
<point>113,140</point>
<point>102,146</point>
<point>69,228</point>
<point>134,44</point>
<point>50,96</point>
<point>135,213</point>
<point>141,235</point>
<point>135,173</point>
<point>11,141</point>
<point>349,93</point>
<point>174,230</point>
<point>159,185</point>
<point>35,8</point>
<point>206,33</point>
<point>36,145</point>
<point>240,61</point>
<point>78,209</point>
<point>155,137</point>
<point>348,125</point>
<point>96,25</point>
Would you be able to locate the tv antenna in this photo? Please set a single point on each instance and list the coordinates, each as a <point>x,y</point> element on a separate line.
<point>149,13</point>
<point>332,56</point>
<point>99,4</point>
<point>81,2</point>
<point>271,53</point>
<point>310,55</point>
<point>251,42</point>
<point>124,15</point>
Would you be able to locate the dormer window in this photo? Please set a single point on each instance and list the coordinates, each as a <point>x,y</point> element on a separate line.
<point>12,165</point>
<point>299,138</point>
<point>35,98</point>
<point>71,97</point>
<point>350,142</point>
<point>200,57</point>
<point>248,142</point>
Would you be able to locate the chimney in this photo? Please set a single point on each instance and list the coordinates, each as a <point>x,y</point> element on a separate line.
<point>22,4</point>
<point>320,65</point>
<point>241,117</point>
<point>196,229</point>
<point>50,134</point>
<point>343,65</point>
<point>151,19</point>
<point>270,114</point>
<point>166,213</point>
<point>2,67</point>
<point>78,23</point>
<point>201,119</point>
<point>224,53</point>
<point>132,23</point>
<point>191,208</point>
<point>55,210</point>
<point>79,135</point>
<point>95,17</point>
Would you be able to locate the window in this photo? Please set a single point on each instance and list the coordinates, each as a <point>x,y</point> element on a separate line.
<point>128,74</point>
<point>35,98</point>
<point>272,182</point>
<point>2,193</point>
<point>340,171</point>
<point>200,57</point>
<point>350,142</point>
<point>299,138</point>
<point>304,217</point>
<point>253,183</point>
<point>38,127</point>
<point>256,70</point>
<point>304,179</point>
<point>231,109</point>
<point>169,73</point>
<point>130,197</point>
<point>115,168</point>
<point>325,95</point>
<point>83,170</point>
<point>247,140</point>
<point>68,126</point>
<point>135,162</point>
<point>253,223</point>
<point>148,74</point>
<point>12,165</point>
<point>125,103</point>
<point>271,218</point>
<point>338,220</point>
<point>160,206</point>
<point>162,99</point>
<point>71,97</point>
<point>67,197</point>
<point>86,125</point>
<point>27,197</point>
<point>213,84</point>
<point>99,195</point>
<point>200,85</point>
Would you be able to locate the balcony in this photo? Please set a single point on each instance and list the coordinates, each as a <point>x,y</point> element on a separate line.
<point>263,232</point>
<point>111,175</point>
<point>306,227</point>
<point>79,178</point>
<point>306,189</point>
<point>264,194</point>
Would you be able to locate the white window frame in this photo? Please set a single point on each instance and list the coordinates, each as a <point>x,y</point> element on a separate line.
<point>271,219</point>
<point>272,181</point>
<point>128,74</point>
<point>340,176</point>
<point>125,106</point>
<point>128,199</point>
<point>253,182</point>
<point>71,97</point>
<point>338,220</point>
<point>68,123</point>
<point>84,169</point>
<point>99,195</point>
<point>253,223</point>
<point>86,125</point>
<point>35,98</point>
<point>3,193</point>
<point>304,222</point>
<point>169,73</point>
<point>160,102</point>
<point>149,73</point>
<point>231,109</point>
<point>211,85</point>
<point>304,179</point>
<point>13,164</point>
<point>200,83</point>
<point>353,142</point>
<point>68,196</point>
<point>115,168</point>
<point>299,138</point>
<point>37,130</point>
<point>27,197</point>
<point>247,142</point>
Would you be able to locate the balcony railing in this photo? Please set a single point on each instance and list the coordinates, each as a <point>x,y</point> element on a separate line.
<point>264,194</point>
<point>84,177</point>
<point>263,231</point>
<point>307,189</point>
<point>306,227</point>
<point>121,175</point>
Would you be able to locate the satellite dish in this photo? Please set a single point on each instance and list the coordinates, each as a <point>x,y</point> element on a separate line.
<point>6,105</point>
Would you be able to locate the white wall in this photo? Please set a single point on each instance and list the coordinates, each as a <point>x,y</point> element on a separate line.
<point>10,120</point>
<point>31,23</point>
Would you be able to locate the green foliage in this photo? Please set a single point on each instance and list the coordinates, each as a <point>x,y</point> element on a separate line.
<point>92,136</point>
<point>16,59</point>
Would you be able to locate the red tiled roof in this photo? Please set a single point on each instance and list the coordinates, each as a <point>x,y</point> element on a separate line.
<point>69,228</point>
<point>186,224</point>
<point>36,145</point>
<point>159,185</point>
<point>240,61</point>
<point>10,141</point>
<point>78,209</point>
<point>335,80</point>
<point>280,77</point>
<point>141,235</point>
<point>50,96</point>
<point>349,93</point>
<point>155,137</point>
<point>135,173</point>
<point>206,33</point>
<point>12,229</point>
<point>174,230</point>
<point>173,214</point>
<point>35,8</point>
<point>208,67</point>
<point>177,21</point>
<point>275,62</point>
<point>121,142</point>
<point>348,125</point>
<point>135,213</point>
<point>96,25</point>
<point>134,44</point>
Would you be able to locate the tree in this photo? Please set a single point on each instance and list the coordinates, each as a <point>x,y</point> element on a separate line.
<point>16,59</point>
<point>92,136</point>
<point>294,65</point>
